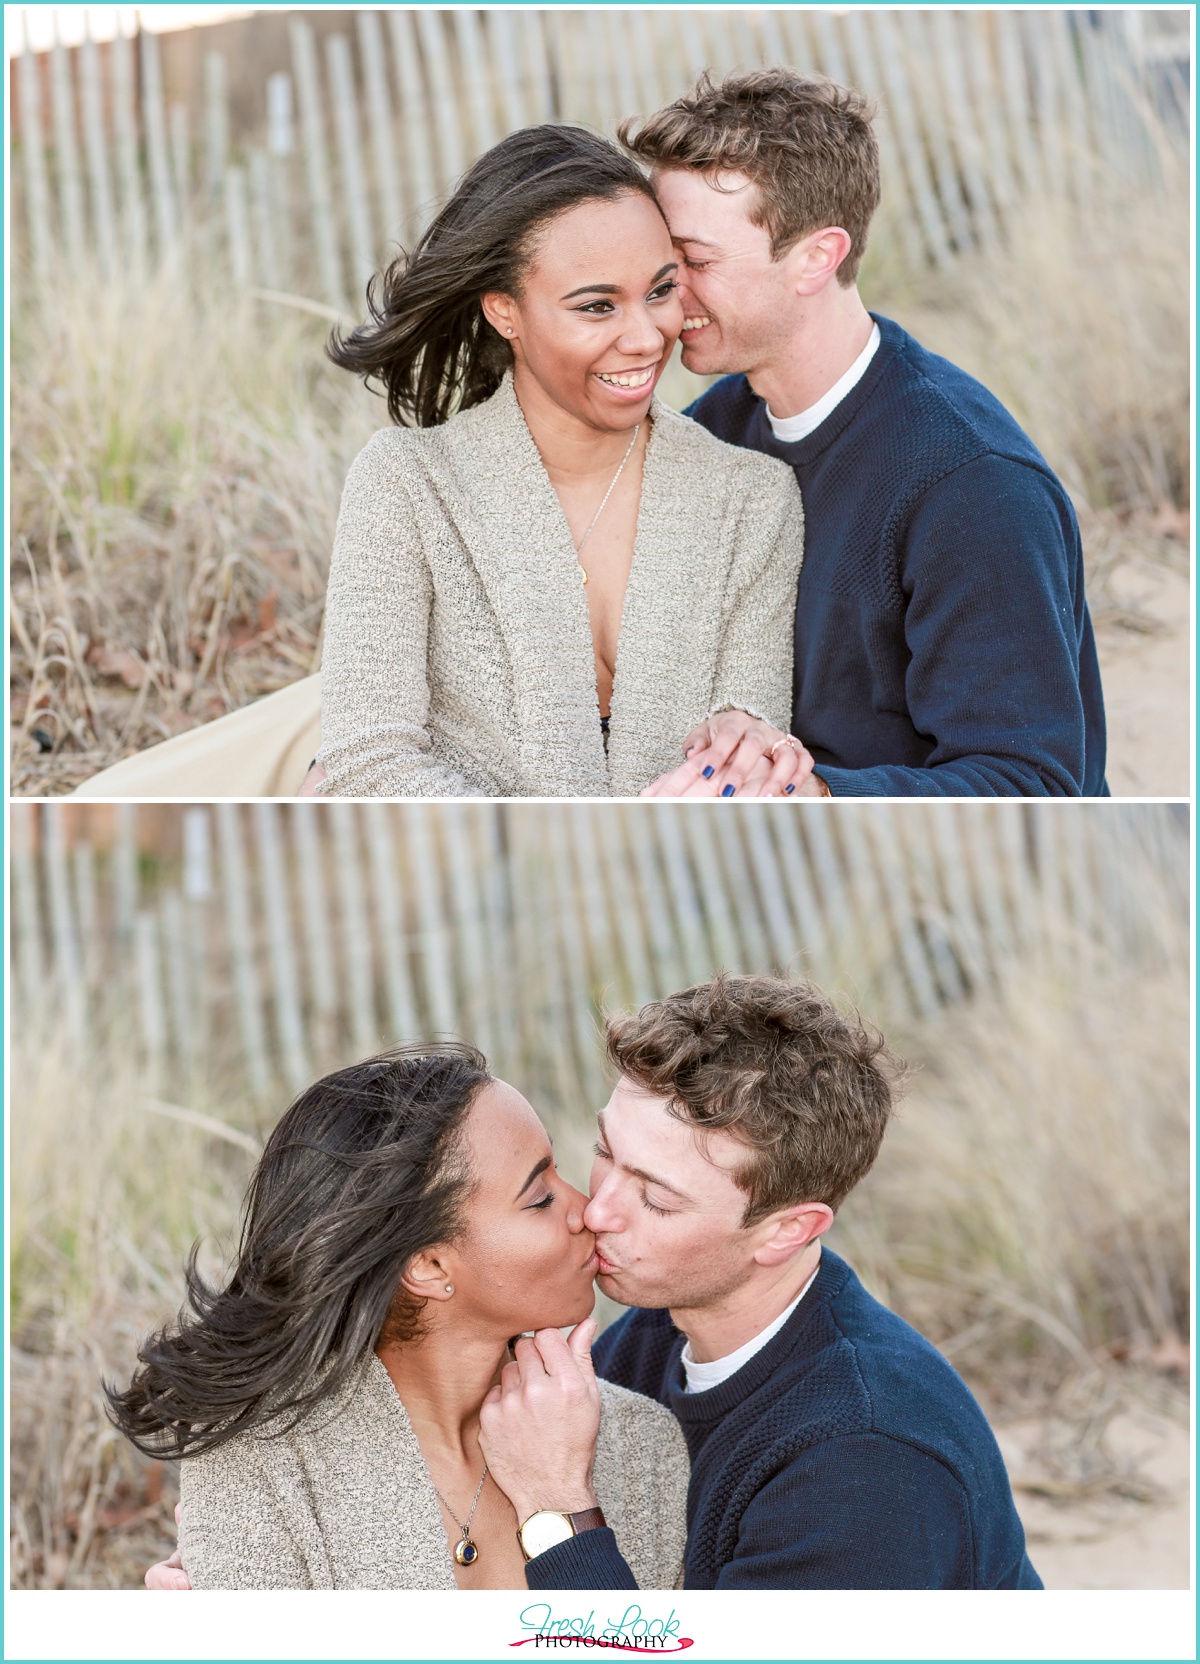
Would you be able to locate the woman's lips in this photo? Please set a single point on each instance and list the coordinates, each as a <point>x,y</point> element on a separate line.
<point>592,1264</point>
<point>606,1267</point>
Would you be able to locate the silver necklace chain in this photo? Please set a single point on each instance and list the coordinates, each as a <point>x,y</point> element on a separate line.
<point>580,546</point>
<point>465,1529</point>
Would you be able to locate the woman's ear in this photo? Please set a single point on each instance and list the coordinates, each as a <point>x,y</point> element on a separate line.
<point>428,1276</point>
<point>501,312</point>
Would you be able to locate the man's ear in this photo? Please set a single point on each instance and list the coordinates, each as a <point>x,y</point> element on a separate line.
<point>790,1230</point>
<point>814,260</point>
<point>429,1276</point>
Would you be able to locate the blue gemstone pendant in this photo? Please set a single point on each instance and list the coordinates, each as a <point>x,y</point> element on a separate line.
<point>466,1553</point>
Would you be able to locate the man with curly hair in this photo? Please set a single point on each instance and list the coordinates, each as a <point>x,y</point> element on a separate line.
<point>943,645</point>
<point>832,1447</point>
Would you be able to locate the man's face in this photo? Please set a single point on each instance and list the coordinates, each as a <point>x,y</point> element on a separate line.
<point>739,304</point>
<point>665,1208</point>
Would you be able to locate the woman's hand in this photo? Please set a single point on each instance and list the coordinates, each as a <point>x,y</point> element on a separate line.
<point>169,1574</point>
<point>734,753</point>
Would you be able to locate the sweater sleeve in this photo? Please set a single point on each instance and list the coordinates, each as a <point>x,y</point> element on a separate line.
<point>374,667</point>
<point>862,1511</point>
<point>993,586</point>
<point>754,658</point>
<point>233,1531</point>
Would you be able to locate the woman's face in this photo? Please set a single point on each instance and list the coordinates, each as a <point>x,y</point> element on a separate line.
<point>598,313</point>
<point>525,1260</point>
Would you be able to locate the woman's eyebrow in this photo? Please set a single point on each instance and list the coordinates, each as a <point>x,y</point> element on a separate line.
<point>615,288</point>
<point>540,1168</point>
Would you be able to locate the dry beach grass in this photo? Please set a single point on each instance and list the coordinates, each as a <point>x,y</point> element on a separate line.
<point>1029,1213</point>
<point>178,454</point>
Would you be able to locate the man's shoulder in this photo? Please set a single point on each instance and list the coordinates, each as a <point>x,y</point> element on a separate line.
<point>725,408</point>
<point>940,409</point>
<point>890,1383</point>
<point>634,1352</point>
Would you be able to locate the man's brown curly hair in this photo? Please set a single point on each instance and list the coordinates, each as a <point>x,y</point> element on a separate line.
<point>803,141</point>
<point>807,1090</point>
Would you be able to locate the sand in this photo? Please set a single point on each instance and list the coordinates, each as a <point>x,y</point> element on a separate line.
<point>1129,1532</point>
<point>1146,685</point>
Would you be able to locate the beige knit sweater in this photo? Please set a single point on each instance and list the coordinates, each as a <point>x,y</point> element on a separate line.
<point>458,655</point>
<point>345,1500</point>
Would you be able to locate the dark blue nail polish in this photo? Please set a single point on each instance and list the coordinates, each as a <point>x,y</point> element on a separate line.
<point>788,790</point>
<point>709,772</point>
<point>728,792</point>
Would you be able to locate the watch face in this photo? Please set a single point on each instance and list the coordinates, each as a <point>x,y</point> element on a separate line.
<point>542,1531</point>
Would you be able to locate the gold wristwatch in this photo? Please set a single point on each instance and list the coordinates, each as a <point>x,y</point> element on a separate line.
<point>547,1528</point>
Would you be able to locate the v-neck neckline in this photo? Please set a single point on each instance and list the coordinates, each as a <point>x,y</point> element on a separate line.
<point>652,417</point>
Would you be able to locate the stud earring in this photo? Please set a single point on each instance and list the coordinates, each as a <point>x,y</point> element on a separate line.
<point>449,1288</point>
<point>508,332</point>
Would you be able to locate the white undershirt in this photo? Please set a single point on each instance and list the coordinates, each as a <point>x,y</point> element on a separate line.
<point>700,1377</point>
<point>791,428</point>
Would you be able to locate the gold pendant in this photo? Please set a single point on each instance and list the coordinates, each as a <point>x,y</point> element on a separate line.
<point>465,1552</point>
<point>582,573</point>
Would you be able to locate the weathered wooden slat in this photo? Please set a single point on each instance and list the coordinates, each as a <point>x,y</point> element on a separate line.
<point>281,945</point>
<point>354,934</point>
<point>29,947</point>
<point>478,85</point>
<point>477,993</point>
<point>915,33</point>
<point>33,163</point>
<point>237,227</point>
<point>452,154</point>
<point>312,127</point>
<point>308,863</point>
<point>151,1010</point>
<point>66,152</point>
<point>962,118</point>
<point>694,952</point>
<point>388,218</point>
<point>425,880</point>
<point>236,892</point>
<point>133,202</point>
<point>162,194</point>
<point>352,179</point>
<point>413,114</point>
<point>216,121</point>
<point>387,909</point>
<point>97,154</point>
<point>64,929</point>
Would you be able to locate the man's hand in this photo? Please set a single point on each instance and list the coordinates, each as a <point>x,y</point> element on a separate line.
<point>734,753</point>
<point>169,1574</point>
<point>538,1427</point>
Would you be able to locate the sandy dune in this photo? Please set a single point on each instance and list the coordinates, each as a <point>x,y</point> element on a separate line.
<point>1146,686</point>
<point>1131,1532</point>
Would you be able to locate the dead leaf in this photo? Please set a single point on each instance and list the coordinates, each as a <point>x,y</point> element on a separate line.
<point>119,663</point>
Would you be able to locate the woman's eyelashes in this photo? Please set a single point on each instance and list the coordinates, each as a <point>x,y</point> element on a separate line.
<point>602,308</point>
<point>545,1202</point>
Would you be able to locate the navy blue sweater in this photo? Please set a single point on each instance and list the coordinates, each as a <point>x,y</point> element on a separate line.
<point>943,644</point>
<point>847,1454</point>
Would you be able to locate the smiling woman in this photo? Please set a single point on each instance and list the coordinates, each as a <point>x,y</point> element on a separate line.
<point>549,581</point>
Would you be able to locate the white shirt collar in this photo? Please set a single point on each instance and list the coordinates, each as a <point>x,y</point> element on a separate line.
<point>789,429</point>
<point>702,1377</point>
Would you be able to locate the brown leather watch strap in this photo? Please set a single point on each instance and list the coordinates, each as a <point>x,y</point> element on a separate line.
<point>588,1519</point>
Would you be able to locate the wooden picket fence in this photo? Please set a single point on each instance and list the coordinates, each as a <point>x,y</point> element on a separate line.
<point>363,135</point>
<point>280,940</point>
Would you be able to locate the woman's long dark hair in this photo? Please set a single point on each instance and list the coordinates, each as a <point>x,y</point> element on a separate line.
<point>365,1170</point>
<point>428,343</point>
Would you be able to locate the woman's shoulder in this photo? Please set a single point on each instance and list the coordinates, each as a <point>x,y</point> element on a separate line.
<point>631,1418</point>
<point>730,464</point>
